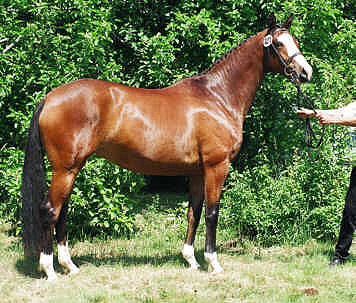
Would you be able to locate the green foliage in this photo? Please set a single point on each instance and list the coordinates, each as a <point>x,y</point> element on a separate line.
<point>305,201</point>
<point>11,161</point>
<point>101,203</point>
<point>151,43</point>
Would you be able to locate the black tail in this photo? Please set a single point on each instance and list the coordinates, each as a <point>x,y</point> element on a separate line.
<point>33,187</point>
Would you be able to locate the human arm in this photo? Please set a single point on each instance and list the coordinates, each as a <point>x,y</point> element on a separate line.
<point>343,116</point>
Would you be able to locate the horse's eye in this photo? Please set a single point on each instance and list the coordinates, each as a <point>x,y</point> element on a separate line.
<point>279,44</point>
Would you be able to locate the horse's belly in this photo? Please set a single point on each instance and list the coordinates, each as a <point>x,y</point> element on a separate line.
<point>162,162</point>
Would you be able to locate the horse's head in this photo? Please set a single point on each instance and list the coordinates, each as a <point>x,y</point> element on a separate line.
<point>282,54</point>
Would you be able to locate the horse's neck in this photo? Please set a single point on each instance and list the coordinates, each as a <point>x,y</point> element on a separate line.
<point>235,79</point>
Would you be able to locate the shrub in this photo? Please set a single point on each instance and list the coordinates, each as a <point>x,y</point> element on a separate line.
<point>304,201</point>
<point>11,161</point>
<point>102,202</point>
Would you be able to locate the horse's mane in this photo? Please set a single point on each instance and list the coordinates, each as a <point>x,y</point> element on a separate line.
<point>224,57</point>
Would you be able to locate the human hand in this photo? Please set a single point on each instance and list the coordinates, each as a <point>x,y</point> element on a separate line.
<point>305,113</point>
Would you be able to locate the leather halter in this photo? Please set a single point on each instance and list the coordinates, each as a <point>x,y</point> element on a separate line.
<point>269,46</point>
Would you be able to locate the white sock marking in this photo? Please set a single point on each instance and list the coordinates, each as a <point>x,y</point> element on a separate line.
<point>212,259</point>
<point>46,264</point>
<point>188,254</point>
<point>65,260</point>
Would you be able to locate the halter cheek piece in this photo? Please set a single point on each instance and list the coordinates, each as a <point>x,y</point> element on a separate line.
<point>269,45</point>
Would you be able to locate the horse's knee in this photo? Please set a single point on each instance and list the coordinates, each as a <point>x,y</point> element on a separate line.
<point>211,215</point>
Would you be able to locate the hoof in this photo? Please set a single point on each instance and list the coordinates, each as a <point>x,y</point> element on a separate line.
<point>52,278</point>
<point>46,265</point>
<point>194,267</point>
<point>212,260</point>
<point>188,254</point>
<point>337,261</point>
<point>65,260</point>
<point>217,271</point>
<point>73,271</point>
<point>70,269</point>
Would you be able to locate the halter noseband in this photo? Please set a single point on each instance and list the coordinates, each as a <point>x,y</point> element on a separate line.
<point>268,44</point>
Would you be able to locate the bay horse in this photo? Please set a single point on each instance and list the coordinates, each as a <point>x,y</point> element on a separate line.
<point>192,128</point>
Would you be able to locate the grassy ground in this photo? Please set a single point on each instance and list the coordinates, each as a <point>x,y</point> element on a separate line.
<point>149,268</point>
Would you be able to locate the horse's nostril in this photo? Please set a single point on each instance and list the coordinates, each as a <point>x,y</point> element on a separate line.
<point>303,76</point>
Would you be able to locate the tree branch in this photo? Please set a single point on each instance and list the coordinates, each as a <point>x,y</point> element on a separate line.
<point>10,46</point>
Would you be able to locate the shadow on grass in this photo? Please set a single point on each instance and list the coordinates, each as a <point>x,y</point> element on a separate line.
<point>28,266</point>
<point>137,260</point>
<point>352,260</point>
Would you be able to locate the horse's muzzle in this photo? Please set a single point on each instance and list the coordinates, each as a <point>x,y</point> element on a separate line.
<point>304,77</point>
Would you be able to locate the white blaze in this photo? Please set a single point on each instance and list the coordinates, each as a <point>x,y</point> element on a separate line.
<point>287,40</point>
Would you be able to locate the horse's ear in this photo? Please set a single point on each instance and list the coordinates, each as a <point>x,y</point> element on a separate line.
<point>272,20</point>
<point>288,23</point>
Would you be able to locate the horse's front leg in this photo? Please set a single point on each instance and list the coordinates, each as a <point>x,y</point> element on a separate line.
<point>214,181</point>
<point>196,198</point>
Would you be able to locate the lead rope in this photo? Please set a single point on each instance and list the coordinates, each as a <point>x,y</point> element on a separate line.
<point>309,133</point>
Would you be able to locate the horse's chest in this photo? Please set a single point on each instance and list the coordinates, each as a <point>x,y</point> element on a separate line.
<point>221,143</point>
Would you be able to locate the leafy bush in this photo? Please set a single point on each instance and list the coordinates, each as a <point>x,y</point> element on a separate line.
<point>11,161</point>
<point>102,202</point>
<point>305,201</point>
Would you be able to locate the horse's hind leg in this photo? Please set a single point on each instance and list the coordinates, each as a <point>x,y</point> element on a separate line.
<point>46,256</point>
<point>196,198</point>
<point>50,211</point>
<point>61,236</point>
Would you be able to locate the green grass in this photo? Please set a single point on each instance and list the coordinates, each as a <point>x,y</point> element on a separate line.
<point>149,268</point>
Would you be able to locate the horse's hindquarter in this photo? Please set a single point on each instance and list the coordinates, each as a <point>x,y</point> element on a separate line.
<point>70,123</point>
